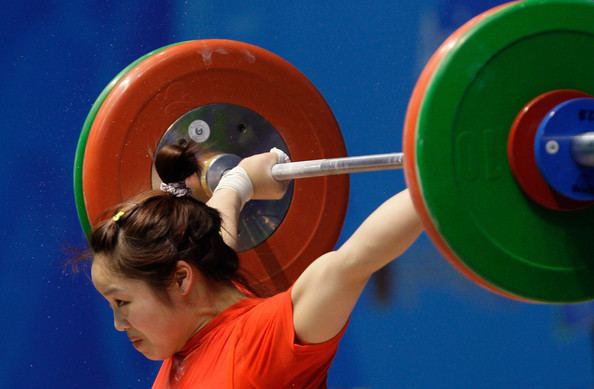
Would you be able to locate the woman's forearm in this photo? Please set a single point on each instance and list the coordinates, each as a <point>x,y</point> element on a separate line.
<point>228,203</point>
<point>383,236</point>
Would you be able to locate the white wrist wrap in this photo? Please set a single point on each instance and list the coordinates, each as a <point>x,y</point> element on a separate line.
<point>238,180</point>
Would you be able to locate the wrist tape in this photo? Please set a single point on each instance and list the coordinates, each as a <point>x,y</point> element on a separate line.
<point>238,180</point>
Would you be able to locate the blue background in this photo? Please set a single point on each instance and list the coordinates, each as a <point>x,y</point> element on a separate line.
<point>424,326</point>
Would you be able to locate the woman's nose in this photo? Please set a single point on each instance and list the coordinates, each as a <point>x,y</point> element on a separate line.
<point>119,322</point>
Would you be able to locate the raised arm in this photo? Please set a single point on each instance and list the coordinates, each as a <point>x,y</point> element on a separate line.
<point>327,291</point>
<point>228,201</point>
<point>325,294</point>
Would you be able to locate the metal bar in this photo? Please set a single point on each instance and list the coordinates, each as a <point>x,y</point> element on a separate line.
<point>333,166</point>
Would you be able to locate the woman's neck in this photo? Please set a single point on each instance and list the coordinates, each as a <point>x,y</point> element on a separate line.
<point>213,300</point>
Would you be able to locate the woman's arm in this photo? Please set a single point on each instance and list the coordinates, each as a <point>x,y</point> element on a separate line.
<point>228,203</point>
<point>327,291</point>
<point>325,294</point>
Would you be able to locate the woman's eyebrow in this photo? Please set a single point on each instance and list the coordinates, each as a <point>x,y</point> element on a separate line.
<point>111,290</point>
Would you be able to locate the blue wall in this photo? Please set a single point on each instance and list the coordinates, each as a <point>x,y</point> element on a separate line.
<point>430,327</point>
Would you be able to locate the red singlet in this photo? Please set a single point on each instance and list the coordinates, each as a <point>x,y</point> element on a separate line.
<point>249,345</point>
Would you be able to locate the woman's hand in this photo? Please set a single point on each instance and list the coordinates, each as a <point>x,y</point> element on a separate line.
<point>259,169</point>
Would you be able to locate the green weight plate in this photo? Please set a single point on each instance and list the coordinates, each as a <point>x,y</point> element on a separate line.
<point>490,226</point>
<point>84,135</point>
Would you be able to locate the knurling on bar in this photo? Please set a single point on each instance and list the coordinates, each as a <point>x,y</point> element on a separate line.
<point>333,166</point>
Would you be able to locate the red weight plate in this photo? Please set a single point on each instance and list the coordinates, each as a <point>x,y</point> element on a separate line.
<point>166,85</point>
<point>409,145</point>
<point>520,151</point>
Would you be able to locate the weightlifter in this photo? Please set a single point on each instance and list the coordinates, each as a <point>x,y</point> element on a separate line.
<point>166,265</point>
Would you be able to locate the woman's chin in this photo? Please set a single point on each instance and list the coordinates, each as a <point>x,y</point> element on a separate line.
<point>153,356</point>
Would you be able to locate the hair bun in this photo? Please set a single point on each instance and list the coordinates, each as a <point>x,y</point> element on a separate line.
<point>175,163</point>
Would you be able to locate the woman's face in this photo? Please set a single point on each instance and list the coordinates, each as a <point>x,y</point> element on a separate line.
<point>154,326</point>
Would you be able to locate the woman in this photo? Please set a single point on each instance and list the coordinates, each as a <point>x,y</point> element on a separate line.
<point>173,285</point>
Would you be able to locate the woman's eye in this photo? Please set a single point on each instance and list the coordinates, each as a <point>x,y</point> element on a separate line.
<point>120,303</point>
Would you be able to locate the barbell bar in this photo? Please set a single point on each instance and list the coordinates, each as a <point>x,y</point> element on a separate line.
<point>580,147</point>
<point>216,166</point>
<point>332,166</point>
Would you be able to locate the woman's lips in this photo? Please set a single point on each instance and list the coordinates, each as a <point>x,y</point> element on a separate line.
<point>136,342</point>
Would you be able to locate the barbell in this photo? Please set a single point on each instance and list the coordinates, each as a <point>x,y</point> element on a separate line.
<point>498,148</point>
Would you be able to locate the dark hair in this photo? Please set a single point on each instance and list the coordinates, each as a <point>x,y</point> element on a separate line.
<point>155,230</point>
<point>175,163</point>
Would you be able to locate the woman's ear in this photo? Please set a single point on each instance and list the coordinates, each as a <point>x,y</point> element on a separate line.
<point>183,278</point>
